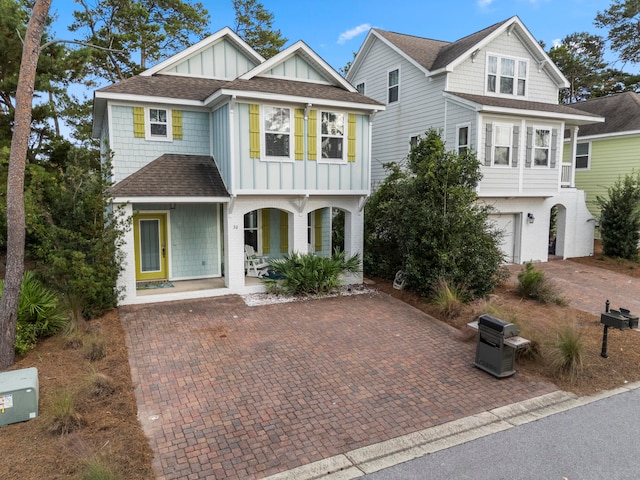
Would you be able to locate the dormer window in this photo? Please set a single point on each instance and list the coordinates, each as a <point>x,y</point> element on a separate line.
<point>506,76</point>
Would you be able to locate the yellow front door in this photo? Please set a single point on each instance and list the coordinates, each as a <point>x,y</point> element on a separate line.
<point>150,237</point>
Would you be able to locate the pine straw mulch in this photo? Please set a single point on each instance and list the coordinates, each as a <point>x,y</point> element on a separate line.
<point>109,429</point>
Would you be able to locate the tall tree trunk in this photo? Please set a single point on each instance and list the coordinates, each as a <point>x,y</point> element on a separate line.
<point>15,182</point>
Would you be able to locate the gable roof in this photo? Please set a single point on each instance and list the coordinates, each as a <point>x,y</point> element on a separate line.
<point>520,107</point>
<point>436,56</point>
<point>621,113</point>
<point>174,175</point>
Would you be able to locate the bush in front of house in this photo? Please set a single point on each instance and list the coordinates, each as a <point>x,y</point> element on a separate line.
<point>620,218</point>
<point>533,283</point>
<point>308,274</point>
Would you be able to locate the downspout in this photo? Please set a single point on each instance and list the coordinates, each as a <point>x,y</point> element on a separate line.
<point>371,117</point>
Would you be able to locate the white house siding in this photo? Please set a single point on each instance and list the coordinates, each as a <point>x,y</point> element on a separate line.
<point>221,142</point>
<point>299,176</point>
<point>420,105</point>
<point>520,180</point>
<point>470,75</point>
<point>221,60</point>
<point>295,68</point>
<point>132,153</point>
<point>459,115</point>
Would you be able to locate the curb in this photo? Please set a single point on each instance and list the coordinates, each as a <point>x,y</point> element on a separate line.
<point>361,461</point>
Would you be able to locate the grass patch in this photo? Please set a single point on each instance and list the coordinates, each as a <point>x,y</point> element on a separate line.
<point>448,298</point>
<point>98,469</point>
<point>95,348</point>
<point>64,418</point>
<point>100,384</point>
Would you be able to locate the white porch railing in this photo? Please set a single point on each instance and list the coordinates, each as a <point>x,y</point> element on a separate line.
<point>566,179</point>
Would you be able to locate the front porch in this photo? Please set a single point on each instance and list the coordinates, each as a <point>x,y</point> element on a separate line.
<point>193,289</point>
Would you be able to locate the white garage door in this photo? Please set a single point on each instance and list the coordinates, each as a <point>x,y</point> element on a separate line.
<point>507,223</point>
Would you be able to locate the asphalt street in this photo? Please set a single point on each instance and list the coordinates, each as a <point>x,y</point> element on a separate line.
<point>599,440</point>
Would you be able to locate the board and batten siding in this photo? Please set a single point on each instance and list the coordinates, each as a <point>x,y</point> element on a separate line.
<point>521,179</point>
<point>131,154</point>
<point>470,75</point>
<point>420,106</point>
<point>295,68</point>
<point>611,159</point>
<point>221,60</point>
<point>221,142</point>
<point>299,176</point>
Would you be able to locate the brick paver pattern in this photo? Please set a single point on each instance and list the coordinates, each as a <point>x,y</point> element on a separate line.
<point>230,391</point>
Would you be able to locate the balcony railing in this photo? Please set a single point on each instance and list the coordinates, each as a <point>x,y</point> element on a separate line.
<point>566,179</point>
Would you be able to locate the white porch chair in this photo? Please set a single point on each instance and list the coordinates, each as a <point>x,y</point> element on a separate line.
<point>254,265</point>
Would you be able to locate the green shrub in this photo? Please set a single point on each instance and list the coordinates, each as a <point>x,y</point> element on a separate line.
<point>309,274</point>
<point>39,313</point>
<point>620,218</point>
<point>448,298</point>
<point>567,352</point>
<point>64,418</point>
<point>533,283</point>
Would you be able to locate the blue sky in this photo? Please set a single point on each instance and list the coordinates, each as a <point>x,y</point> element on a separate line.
<point>336,28</point>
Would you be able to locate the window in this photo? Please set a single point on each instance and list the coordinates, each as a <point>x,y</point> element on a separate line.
<point>413,142</point>
<point>502,145</point>
<point>542,147</point>
<point>462,140</point>
<point>360,88</point>
<point>154,124</point>
<point>251,229</point>
<point>332,135</point>
<point>506,76</point>
<point>582,155</point>
<point>394,85</point>
<point>158,122</point>
<point>277,132</point>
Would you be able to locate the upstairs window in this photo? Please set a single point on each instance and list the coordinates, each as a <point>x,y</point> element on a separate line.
<point>277,132</point>
<point>158,122</point>
<point>393,85</point>
<point>502,145</point>
<point>582,156</point>
<point>462,139</point>
<point>506,76</point>
<point>542,147</point>
<point>360,88</point>
<point>332,135</point>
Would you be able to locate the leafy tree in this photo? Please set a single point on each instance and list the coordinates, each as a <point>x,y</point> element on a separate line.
<point>620,217</point>
<point>254,24</point>
<point>15,181</point>
<point>622,19</point>
<point>150,29</point>
<point>426,220</point>
<point>580,57</point>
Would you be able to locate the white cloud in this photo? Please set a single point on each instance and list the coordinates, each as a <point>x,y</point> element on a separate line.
<point>354,32</point>
<point>484,3</point>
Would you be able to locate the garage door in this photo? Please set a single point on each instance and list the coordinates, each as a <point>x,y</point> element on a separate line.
<point>508,224</point>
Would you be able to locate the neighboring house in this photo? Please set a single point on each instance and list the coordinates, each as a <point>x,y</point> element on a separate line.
<point>495,92</point>
<point>217,148</point>
<point>606,151</point>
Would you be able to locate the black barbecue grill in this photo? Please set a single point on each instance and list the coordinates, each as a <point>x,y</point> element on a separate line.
<point>492,354</point>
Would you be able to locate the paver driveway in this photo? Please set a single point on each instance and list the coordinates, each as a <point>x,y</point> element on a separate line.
<point>230,391</point>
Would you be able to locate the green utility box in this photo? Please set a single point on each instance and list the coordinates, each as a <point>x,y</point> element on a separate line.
<point>19,394</point>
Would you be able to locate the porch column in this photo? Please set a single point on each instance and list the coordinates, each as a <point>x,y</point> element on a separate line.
<point>298,223</point>
<point>127,278</point>
<point>574,151</point>
<point>234,249</point>
<point>354,236</point>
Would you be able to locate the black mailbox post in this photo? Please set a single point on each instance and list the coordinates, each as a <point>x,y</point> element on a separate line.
<point>620,319</point>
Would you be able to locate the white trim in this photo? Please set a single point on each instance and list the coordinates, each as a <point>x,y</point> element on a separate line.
<point>263,135</point>
<point>201,45</point>
<point>550,148</point>
<point>606,136</point>
<point>147,124</point>
<point>494,133</point>
<point>388,87</point>
<point>133,200</point>
<point>459,126</point>
<point>138,99</point>
<point>345,136</point>
<point>279,193</point>
<point>498,75</point>
<point>574,160</point>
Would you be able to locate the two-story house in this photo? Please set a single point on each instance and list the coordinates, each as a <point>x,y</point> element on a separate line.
<point>495,92</point>
<point>217,148</point>
<point>606,151</point>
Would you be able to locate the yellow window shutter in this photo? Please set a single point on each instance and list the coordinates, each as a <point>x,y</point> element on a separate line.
<point>284,232</point>
<point>254,131</point>
<point>351,138</point>
<point>138,122</point>
<point>299,133</point>
<point>176,119</point>
<point>312,137</point>
<point>266,230</point>
<point>318,230</point>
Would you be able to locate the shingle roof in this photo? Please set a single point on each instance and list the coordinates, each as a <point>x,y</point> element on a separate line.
<point>199,89</point>
<point>435,54</point>
<point>621,113</point>
<point>522,104</point>
<point>173,175</point>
